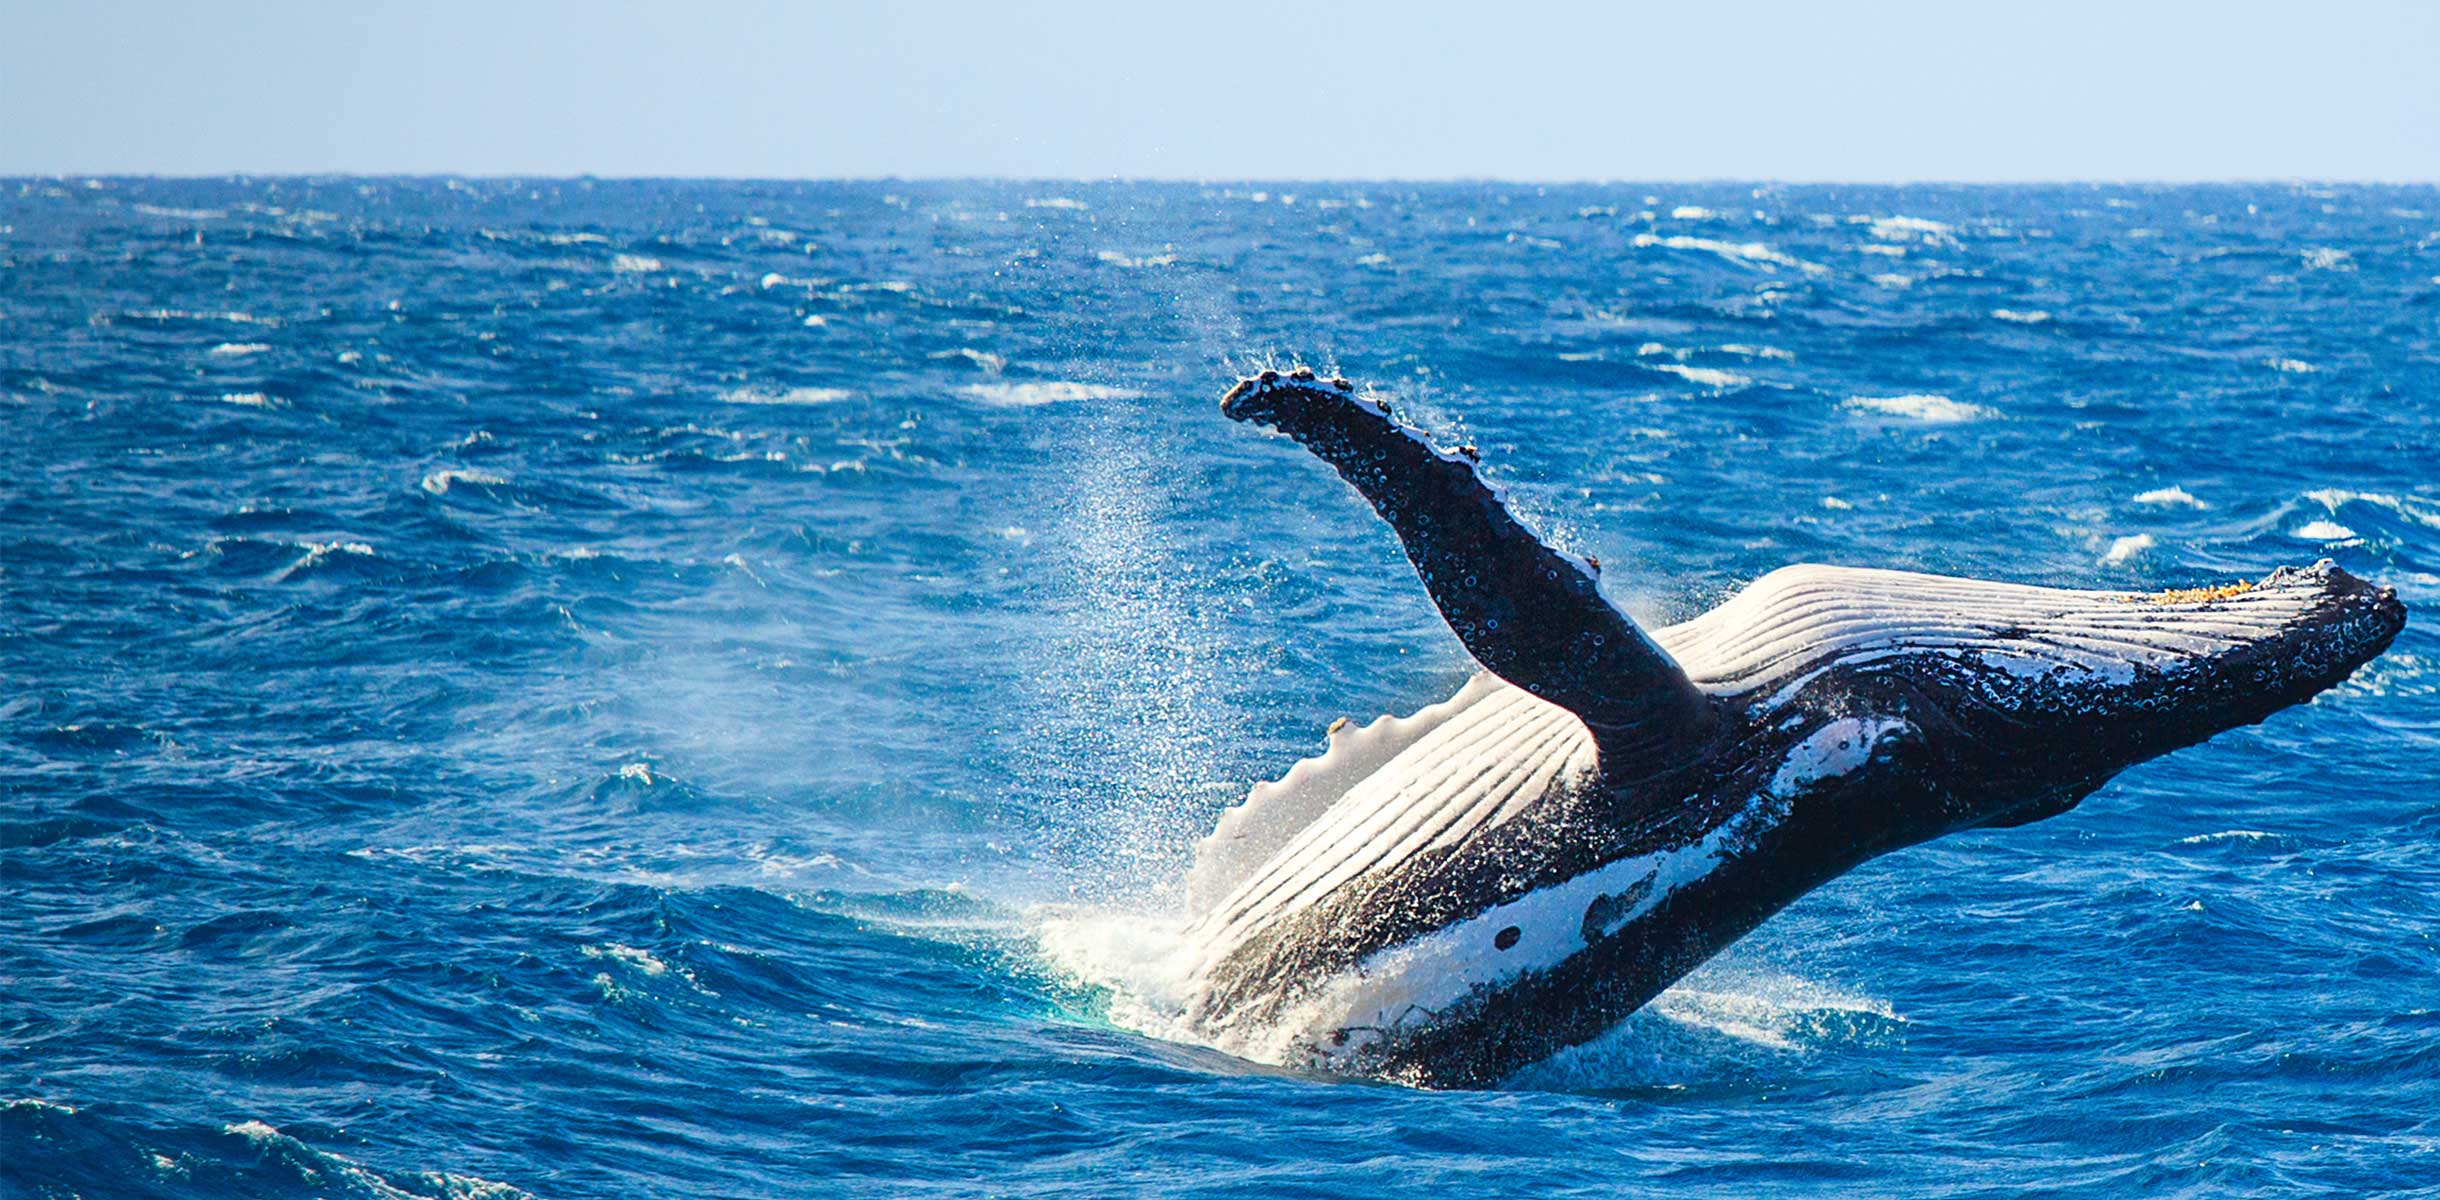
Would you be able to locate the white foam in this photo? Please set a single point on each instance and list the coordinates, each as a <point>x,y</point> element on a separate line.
<point>2226,835</point>
<point>634,264</point>
<point>1028,395</point>
<point>2322,258</point>
<point>237,349</point>
<point>2332,498</point>
<point>1707,376</point>
<point>981,360</point>
<point>1117,259</point>
<point>1740,252</point>
<point>2127,547</point>
<point>439,482</point>
<point>794,395</point>
<point>1058,202</point>
<point>2169,497</point>
<point>2290,366</point>
<point>2323,531</point>
<point>1691,212</point>
<point>2033,316</point>
<point>1914,229</point>
<point>1931,409</point>
<point>642,961</point>
<point>181,214</point>
<point>249,400</point>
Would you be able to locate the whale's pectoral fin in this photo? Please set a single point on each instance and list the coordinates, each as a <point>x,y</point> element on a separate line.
<point>1531,614</point>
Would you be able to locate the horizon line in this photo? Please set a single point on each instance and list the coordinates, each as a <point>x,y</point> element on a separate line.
<point>1218,180</point>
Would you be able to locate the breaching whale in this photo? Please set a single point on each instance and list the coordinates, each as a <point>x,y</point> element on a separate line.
<point>1443,898</point>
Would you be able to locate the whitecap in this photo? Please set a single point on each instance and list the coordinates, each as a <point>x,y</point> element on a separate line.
<point>981,360</point>
<point>237,349</point>
<point>1116,259</point>
<point>2226,835</point>
<point>1059,202</point>
<point>1028,395</point>
<point>1894,281</point>
<point>643,961</point>
<point>1914,229</point>
<point>439,482</point>
<point>2169,497</point>
<point>1756,351</point>
<point>1741,252</point>
<point>1706,376</point>
<point>794,395</point>
<point>1936,410</point>
<point>2032,316</point>
<point>2323,531</point>
<point>2332,498</point>
<point>2127,547</point>
<point>2290,366</point>
<point>181,214</point>
<point>2322,258</point>
<point>249,399</point>
<point>1691,212</point>
<point>635,264</point>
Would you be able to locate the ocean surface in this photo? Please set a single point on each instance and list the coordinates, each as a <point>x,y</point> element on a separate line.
<point>594,689</point>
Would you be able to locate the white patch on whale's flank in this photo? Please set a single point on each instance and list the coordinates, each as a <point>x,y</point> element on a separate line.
<point>1406,984</point>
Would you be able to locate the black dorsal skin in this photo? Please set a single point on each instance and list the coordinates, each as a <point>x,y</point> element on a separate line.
<point>1823,717</point>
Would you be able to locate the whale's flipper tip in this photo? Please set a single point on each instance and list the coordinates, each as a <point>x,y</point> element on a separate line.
<point>1268,396</point>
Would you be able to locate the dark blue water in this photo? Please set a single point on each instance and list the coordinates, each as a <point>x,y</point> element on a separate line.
<point>671,690</point>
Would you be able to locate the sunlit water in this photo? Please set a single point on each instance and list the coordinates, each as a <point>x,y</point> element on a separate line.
<point>684,690</point>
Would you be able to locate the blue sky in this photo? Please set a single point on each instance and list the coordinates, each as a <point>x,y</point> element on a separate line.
<point>2329,89</point>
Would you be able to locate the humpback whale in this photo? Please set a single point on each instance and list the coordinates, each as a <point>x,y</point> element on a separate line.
<point>1443,898</point>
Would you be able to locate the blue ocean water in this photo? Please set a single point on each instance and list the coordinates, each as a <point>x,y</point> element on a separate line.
<point>670,689</point>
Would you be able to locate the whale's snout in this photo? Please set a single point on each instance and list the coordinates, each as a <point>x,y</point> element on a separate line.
<point>2353,622</point>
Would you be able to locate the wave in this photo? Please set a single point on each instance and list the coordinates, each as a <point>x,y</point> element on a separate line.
<point>794,395</point>
<point>1925,407</point>
<point>1029,395</point>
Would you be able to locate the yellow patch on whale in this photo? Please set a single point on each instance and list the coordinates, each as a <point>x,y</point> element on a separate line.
<point>2198,595</point>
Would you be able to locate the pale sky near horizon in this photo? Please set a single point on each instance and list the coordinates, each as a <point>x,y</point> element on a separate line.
<point>2341,89</point>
